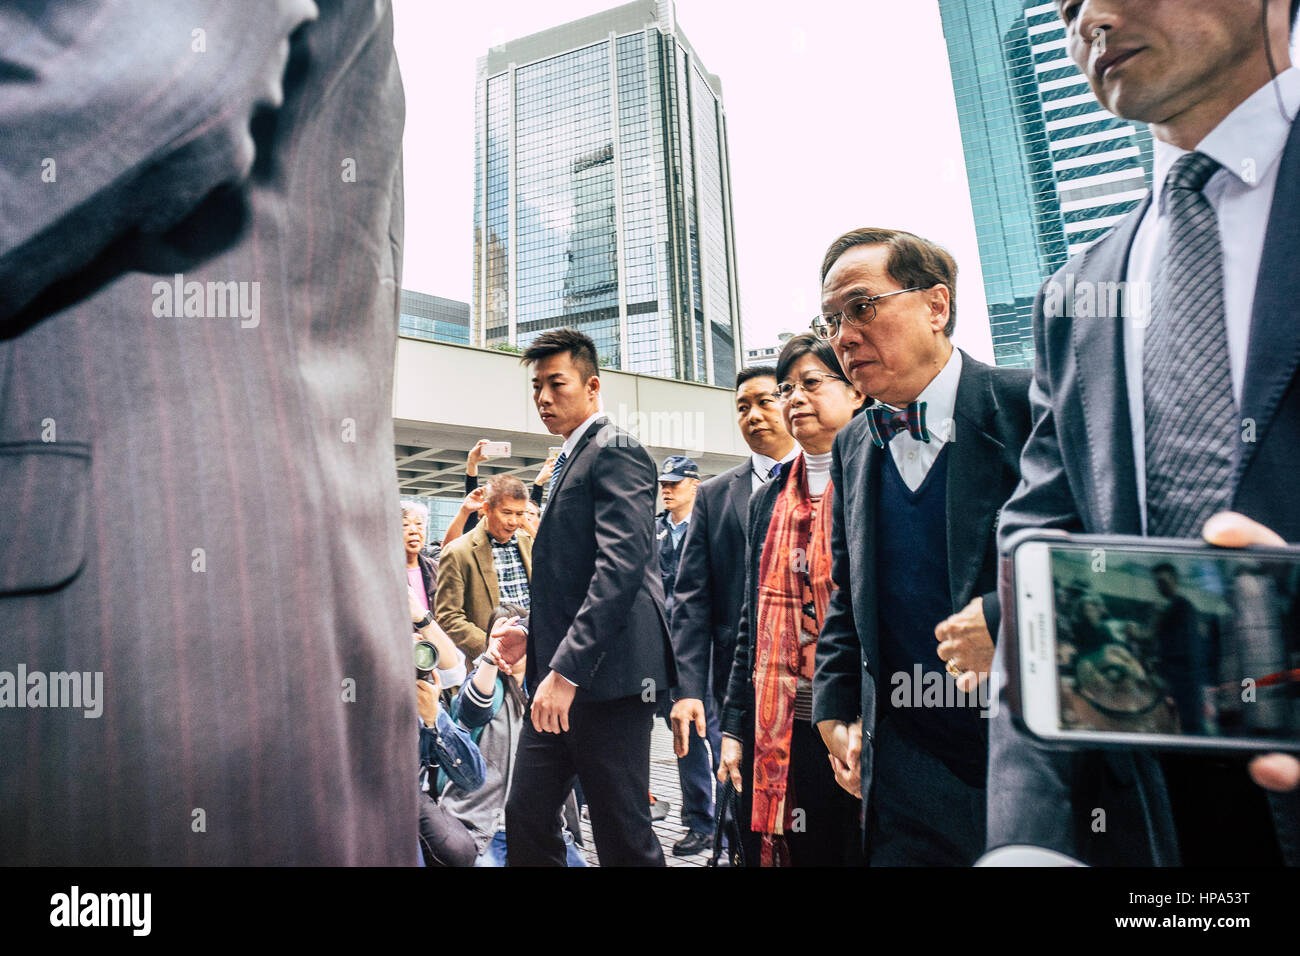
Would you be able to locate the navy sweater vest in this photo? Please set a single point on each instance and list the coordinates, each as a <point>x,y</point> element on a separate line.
<point>913,597</point>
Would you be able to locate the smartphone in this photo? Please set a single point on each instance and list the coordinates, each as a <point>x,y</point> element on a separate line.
<point>496,449</point>
<point>1148,642</point>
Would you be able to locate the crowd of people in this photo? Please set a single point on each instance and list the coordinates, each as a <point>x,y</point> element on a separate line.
<point>864,537</point>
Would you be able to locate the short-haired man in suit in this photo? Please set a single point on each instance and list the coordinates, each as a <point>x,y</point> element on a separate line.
<point>597,638</point>
<point>486,567</point>
<point>919,478</point>
<point>710,585</point>
<point>1155,420</point>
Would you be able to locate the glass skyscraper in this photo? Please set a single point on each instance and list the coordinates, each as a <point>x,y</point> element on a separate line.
<point>602,196</point>
<point>1050,170</point>
<point>435,318</point>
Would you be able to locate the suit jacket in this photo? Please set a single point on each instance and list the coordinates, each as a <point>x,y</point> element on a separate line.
<point>1078,473</point>
<point>199,498</point>
<point>597,604</point>
<point>710,588</point>
<point>467,588</point>
<point>991,425</point>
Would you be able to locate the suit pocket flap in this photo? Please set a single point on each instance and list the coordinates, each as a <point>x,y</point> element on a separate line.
<point>44,501</point>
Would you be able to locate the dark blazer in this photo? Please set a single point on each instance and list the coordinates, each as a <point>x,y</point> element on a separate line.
<point>468,592</point>
<point>710,589</point>
<point>738,708</point>
<point>597,604</point>
<point>991,425</point>
<point>1079,476</point>
<point>208,515</point>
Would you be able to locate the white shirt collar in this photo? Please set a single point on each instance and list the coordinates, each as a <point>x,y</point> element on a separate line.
<point>940,398</point>
<point>676,524</point>
<point>1248,141</point>
<point>572,441</point>
<point>764,465</point>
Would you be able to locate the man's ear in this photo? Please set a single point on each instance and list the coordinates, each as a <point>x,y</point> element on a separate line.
<point>939,297</point>
<point>593,383</point>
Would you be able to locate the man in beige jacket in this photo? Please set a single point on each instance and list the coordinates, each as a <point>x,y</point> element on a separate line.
<point>489,566</point>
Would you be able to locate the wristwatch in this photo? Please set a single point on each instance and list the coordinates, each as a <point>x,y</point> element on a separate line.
<point>425,621</point>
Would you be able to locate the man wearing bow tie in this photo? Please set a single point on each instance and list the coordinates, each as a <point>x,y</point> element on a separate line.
<point>919,478</point>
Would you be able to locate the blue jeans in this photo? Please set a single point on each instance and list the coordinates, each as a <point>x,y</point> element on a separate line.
<point>495,852</point>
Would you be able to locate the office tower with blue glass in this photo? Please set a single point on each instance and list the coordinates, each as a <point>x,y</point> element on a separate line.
<point>1050,170</point>
<point>603,198</point>
<point>432,317</point>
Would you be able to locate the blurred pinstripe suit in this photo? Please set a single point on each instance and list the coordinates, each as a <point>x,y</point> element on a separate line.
<point>203,507</point>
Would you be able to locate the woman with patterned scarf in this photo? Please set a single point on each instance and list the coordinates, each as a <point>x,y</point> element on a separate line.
<point>797,813</point>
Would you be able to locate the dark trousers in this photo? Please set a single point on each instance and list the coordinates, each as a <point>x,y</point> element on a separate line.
<point>608,747</point>
<point>1221,817</point>
<point>444,840</point>
<point>829,832</point>
<point>697,771</point>
<point>920,812</point>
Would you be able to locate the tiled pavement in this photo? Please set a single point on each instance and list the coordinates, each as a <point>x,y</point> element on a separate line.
<point>665,785</point>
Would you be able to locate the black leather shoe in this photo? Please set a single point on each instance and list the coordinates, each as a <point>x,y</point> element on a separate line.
<point>694,842</point>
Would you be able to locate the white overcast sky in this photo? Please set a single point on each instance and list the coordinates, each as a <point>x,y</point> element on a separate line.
<point>840,115</point>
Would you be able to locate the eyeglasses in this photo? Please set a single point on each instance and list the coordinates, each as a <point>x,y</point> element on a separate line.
<point>810,382</point>
<point>858,311</point>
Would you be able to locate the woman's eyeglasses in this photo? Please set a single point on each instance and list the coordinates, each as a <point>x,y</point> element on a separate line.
<point>809,382</point>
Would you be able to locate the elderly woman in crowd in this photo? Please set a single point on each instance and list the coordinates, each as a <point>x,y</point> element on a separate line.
<point>795,811</point>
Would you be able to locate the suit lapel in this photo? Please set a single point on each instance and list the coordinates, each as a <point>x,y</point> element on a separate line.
<point>857,468</point>
<point>578,449</point>
<point>526,553</point>
<point>1274,348</point>
<point>738,494</point>
<point>482,550</point>
<point>1098,341</point>
<point>972,498</point>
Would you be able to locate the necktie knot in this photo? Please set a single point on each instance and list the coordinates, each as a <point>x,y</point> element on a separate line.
<point>1192,172</point>
<point>886,422</point>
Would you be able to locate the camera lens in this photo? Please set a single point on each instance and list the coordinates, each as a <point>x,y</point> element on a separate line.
<point>426,656</point>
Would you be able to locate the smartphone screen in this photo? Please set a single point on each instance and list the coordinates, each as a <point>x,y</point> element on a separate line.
<point>1189,642</point>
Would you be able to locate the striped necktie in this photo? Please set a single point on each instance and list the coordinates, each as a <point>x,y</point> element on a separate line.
<point>555,472</point>
<point>1191,417</point>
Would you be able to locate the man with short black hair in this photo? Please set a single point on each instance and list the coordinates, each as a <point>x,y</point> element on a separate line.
<point>597,639</point>
<point>710,579</point>
<point>1173,420</point>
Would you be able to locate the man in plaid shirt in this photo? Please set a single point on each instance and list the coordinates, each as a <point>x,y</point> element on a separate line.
<point>489,566</point>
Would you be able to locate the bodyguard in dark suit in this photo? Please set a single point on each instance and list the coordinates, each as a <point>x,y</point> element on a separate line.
<point>918,484</point>
<point>597,640</point>
<point>1176,398</point>
<point>200,256</point>
<point>710,585</point>
<point>711,576</point>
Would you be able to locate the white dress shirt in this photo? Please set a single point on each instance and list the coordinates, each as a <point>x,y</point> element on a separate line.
<point>1248,145</point>
<point>576,435</point>
<point>760,467</point>
<point>913,457</point>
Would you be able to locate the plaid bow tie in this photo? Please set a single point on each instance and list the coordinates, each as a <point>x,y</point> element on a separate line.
<point>885,422</point>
